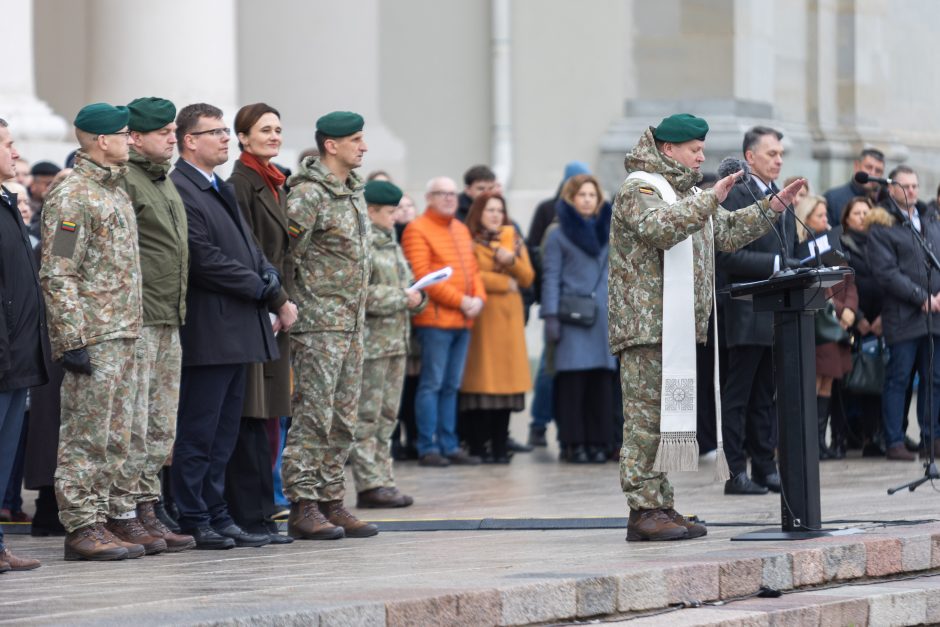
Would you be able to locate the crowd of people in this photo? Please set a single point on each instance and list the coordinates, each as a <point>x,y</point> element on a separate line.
<point>188,359</point>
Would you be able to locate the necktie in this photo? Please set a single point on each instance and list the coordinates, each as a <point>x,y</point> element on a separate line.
<point>215,183</point>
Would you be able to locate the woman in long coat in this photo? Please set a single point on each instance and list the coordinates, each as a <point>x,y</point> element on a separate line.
<point>259,189</point>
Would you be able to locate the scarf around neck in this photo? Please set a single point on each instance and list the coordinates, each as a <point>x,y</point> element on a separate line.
<point>272,177</point>
<point>589,234</point>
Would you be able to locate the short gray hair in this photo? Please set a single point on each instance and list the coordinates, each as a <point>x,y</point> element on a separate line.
<point>3,123</point>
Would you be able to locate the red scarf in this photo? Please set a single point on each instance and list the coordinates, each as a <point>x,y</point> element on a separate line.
<point>271,175</point>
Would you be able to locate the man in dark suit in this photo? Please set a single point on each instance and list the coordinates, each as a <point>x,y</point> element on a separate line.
<point>231,287</point>
<point>747,397</point>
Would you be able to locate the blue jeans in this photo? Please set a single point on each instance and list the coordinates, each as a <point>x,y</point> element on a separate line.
<point>443,355</point>
<point>903,356</point>
<point>279,499</point>
<point>12,408</point>
<point>542,408</point>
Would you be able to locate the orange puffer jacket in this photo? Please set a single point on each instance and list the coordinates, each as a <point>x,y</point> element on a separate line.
<point>431,242</point>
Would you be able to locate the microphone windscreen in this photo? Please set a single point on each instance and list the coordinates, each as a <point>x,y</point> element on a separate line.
<point>728,166</point>
<point>861,177</point>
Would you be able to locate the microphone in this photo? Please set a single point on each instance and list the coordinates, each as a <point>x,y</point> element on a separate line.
<point>812,233</point>
<point>864,177</point>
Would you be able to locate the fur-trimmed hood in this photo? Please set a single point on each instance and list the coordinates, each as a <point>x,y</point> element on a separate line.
<point>880,216</point>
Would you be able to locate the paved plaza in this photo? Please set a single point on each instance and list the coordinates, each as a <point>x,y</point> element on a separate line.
<point>503,575</point>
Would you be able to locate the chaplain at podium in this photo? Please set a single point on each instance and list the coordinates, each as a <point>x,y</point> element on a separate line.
<point>664,233</point>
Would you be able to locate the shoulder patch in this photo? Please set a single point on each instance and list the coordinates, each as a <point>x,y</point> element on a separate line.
<point>68,226</point>
<point>294,229</point>
<point>63,243</point>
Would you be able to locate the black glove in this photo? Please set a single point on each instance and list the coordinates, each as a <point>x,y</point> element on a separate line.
<point>272,286</point>
<point>77,361</point>
<point>792,262</point>
<point>552,329</point>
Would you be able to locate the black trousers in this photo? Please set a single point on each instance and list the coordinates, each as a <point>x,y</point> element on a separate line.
<point>249,479</point>
<point>747,414</point>
<point>486,425</point>
<point>206,431</point>
<point>584,409</point>
<point>406,413</point>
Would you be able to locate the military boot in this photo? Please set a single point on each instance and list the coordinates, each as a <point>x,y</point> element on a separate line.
<point>340,516</point>
<point>88,543</point>
<point>306,522</point>
<point>130,530</point>
<point>175,542</point>
<point>695,528</point>
<point>134,550</point>
<point>654,525</point>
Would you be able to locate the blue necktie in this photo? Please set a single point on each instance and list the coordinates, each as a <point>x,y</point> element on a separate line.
<point>215,183</point>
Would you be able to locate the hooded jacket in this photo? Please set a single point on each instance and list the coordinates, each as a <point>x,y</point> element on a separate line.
<point>644,226</point>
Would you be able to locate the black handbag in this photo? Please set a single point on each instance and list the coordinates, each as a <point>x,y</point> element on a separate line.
<point>578,309</point>
<point>828,328</point>
<point>867,375</point>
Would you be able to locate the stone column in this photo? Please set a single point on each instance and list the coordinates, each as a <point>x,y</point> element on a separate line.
<point>38,132</point>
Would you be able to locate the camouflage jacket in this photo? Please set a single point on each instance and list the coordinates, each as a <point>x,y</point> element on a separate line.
<point>388,322</point>
<point>90,271</point>
<point>643,226</point>
<point>330,249</point>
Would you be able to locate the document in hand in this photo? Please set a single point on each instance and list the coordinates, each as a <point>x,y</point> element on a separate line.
<point>431,278</point>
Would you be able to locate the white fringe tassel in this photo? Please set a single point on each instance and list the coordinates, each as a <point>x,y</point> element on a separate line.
<point>678,450</point>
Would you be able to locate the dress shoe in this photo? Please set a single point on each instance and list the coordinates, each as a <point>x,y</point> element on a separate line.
<point>130,530</point>
<point>175,542</point>
<point>18,563</point>
<point>306,522</point>
<point>653,525</point>
<point>88,543</point>
<point>771,481</point>
<point>21,517</point>
<point>340,516</point>
<point>380,498</point>
<point>207,539</point>
<point>910,444</point>
<point>742,484</point>
<point>134,550</point>
<point>597,455</point>
<point>518,447</point>
<point>243,538</point>
<point>899,452</point>
<point>537,436</point>
<point>165,517</point>
<point>434,460</point>
<point>459,458</point>
<point>694,527</point>
<point>577,455</point>
<point>277,538</point>
<point>6,515</point>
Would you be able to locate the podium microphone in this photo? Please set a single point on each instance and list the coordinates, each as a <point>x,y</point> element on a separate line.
<point>864,177</point>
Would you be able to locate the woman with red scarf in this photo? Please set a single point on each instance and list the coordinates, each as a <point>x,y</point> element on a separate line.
<point>259,189</point>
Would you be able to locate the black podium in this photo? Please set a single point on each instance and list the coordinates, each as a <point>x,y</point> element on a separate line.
<point>793,297</point>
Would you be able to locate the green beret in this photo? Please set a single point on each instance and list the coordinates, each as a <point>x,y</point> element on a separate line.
<point>101,118</point>
<point>681,127</point>
<point>150,114</point>
<point>340,124</point>
<point>382,193</point>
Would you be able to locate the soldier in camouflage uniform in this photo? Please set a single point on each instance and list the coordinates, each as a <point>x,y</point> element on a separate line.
<point>164,260</point>
<point>643,226</point>
<point>91,282</point>
<point>388,307</point>
<point>331,258</point>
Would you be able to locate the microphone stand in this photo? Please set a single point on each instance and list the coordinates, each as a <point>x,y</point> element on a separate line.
<point>783,248</point>
<point>931,262</point>
<point>812,233</point>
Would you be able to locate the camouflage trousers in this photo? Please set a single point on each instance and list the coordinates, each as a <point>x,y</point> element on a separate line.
<point>154,426</point>
<point>371,455</point>
<point>327,380</point>
<point>641,381</point>
<point>97,413</point>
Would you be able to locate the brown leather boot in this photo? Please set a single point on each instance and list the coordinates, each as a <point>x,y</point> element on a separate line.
<point>695,528</point>
<point>340,516</point>
<point>130,530</point>
<point>653,525</point>
<point>175,542</point>
<point>4,567</point>
<point>88,543</point>
<point>306,522</point>
<point>134,550</point>
<point>381,498</point>
<point>18,563</point>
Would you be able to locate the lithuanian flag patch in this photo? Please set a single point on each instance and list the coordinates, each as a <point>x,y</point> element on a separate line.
<point>647,190</point>
<point>68,226</point>
<point>294,231</point>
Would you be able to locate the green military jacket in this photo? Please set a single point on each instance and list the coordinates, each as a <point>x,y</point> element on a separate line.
<point>387,316</point>
<point>90,271</point>
<point>643,226</point>
<point>163,240</point>
<point>330,249</point>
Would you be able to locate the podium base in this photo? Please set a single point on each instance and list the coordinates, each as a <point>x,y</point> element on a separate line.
<point>773,534</point>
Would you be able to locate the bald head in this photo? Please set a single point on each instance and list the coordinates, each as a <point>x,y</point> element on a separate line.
<point>441,196</point>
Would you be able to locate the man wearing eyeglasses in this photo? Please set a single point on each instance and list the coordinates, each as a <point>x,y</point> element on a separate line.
<point>231,290</point>
<point>329,227</point>
<point>90,278</point>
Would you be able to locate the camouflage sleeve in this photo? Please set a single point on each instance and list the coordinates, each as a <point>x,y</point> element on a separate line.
<point>736,229</point>
<point>385,300</point>
<point>66,230</point>
<point>658,223</point>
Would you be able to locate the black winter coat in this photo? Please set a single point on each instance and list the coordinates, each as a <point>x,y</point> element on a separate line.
<point>22,362</point>
<point>754,262</point>
<point>897,262</point>
<point>226,323</point>
<point>870,294</point>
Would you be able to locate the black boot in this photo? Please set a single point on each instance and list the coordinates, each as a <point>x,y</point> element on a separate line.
<point>822,414</point>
